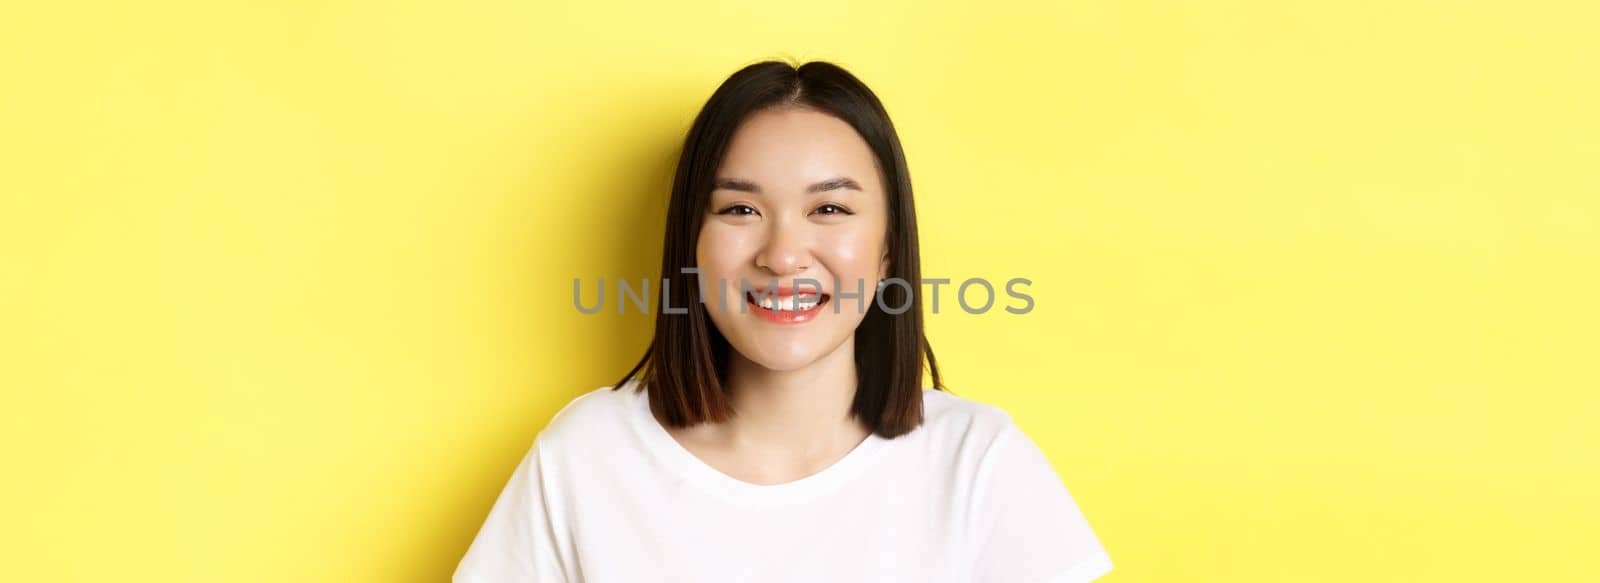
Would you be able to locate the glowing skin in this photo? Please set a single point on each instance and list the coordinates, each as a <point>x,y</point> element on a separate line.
<point>819,213</point>
<point>799,195</point>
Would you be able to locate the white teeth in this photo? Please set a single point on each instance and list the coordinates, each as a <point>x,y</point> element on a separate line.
<point>788,303</point>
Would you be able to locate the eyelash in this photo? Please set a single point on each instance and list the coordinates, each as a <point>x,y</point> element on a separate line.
<point>841,210</point>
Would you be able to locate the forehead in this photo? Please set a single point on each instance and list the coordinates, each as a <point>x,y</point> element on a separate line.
<point>794,146</point>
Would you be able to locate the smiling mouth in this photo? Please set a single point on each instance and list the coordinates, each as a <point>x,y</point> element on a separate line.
<point>792,304</point>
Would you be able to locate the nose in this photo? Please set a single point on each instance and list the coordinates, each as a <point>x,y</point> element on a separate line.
<point>787,249</point>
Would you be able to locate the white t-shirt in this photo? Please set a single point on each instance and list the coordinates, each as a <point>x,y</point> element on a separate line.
<point>606,495</point>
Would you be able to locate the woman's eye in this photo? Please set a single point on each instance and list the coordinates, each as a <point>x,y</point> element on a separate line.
<point>833,209</point>
<point>738,209</point>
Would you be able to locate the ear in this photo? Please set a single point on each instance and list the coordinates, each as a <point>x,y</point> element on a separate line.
<point>883,266</point>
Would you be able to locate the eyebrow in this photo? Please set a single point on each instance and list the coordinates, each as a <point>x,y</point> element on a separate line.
<point>824,186</point>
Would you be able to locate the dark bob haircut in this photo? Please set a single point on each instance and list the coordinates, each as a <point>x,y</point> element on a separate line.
<point>684,366</point>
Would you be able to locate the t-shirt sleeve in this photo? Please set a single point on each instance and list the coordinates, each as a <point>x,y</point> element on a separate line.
<point>1029,528</point>
<point>517,543</point>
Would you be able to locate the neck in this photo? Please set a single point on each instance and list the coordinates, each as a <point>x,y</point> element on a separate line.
<point>803,412</point>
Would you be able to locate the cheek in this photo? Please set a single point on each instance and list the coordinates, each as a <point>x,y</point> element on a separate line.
<point>720,251</point>
<point>855,253</point>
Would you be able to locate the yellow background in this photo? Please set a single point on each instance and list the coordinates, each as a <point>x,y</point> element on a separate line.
<point>285,287</point>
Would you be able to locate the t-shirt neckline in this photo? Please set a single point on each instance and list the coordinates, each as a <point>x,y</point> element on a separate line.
<point>715,482</point>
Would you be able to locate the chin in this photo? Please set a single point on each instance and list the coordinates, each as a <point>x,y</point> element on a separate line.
<point>784,358</point>
<point>785,362</point>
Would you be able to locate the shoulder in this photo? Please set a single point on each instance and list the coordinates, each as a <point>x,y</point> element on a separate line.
<point>983,438</point>
<point>969,427</point>
<point>944,412</point>
<point>597,415</point>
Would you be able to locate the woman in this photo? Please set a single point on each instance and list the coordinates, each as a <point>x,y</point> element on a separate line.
<point>776,429</point>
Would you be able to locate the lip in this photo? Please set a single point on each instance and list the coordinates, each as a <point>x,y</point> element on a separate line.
<point>787,317</point>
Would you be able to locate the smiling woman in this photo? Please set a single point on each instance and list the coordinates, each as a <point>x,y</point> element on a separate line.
<point>790,439</point>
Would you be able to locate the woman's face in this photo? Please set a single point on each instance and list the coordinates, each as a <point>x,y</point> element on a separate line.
<point>798,197</point>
